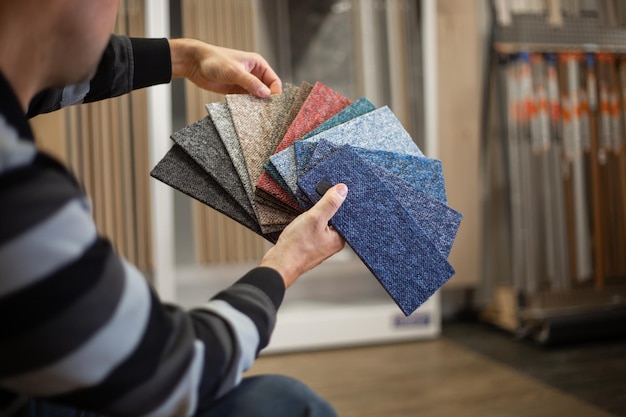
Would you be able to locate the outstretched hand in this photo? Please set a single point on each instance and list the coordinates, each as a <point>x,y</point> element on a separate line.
<point>223,70</point>
<point>308,240</point>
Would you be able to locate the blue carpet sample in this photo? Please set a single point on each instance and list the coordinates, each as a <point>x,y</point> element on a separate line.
<point>383,233</point>
<point>378,129</point>
<point>440,222</point>
<point>423,173</point>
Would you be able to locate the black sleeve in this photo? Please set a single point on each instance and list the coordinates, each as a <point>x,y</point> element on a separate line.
<point>127,64</point>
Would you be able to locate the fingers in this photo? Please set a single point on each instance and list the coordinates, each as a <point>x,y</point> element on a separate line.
<point>223,70</point>
<point>253,85</point>
<point>258,87</point>
<point>261,81</point>
<point>272,80</point>
<point>330,202</point>
<point>276,86</point>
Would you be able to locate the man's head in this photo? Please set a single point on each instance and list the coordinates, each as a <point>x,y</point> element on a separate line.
<point>55,42</point>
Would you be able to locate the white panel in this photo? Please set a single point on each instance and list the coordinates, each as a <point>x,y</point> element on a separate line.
<point>161,195</point>
<point>429,48</point>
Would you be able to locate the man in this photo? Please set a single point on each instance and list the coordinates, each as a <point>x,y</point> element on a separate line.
<point>79,326</point>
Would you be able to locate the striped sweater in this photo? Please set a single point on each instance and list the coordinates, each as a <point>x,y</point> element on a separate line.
<point>78,324</point>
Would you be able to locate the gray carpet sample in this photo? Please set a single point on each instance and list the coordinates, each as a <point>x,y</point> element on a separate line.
<point>181,172</point>
<point>220,115</point>
<point>202,142</point>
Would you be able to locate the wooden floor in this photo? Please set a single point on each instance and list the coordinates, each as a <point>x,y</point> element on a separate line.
<point>427,378</point>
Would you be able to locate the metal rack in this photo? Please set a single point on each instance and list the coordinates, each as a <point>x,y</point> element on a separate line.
<point>554,169</point>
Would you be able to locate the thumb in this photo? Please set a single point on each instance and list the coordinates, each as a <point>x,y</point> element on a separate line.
<point>253,85</point>
<point>330,202</point>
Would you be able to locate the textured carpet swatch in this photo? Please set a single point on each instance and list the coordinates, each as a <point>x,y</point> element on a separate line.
<point>378,129</point>
<point>201,141</point>
<point>423,173</point>
<point>286,157</point>
<point>262,162</point>
<point>440,222</point>
<point>387,238</point>
<point>354,110</point>
<point>321,104</point>
<point>262,197</point>
<point>300,98</point>
<point>282,165</point>
<point>220,115</point>
<point>303,92</point>
<point>181,172</point>
<point>254,120</point>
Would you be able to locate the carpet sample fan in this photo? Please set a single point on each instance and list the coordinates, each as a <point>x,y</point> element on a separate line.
<point>262,162</point>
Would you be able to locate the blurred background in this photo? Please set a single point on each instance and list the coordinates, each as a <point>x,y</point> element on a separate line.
<point>522,100</point>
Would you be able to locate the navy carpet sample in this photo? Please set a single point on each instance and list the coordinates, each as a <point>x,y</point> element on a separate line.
<point>423,173</point>
<point>440,222</point>
<point>181,172</point>
<point>387,237</point>
<point>202,142</point>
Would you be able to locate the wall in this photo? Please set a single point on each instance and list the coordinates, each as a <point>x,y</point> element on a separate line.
<point>460,74</point>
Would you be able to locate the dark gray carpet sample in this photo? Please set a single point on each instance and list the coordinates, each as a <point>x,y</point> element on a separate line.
<point>202,142</point>
<point>378,227</point>
<point>181,172</point>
